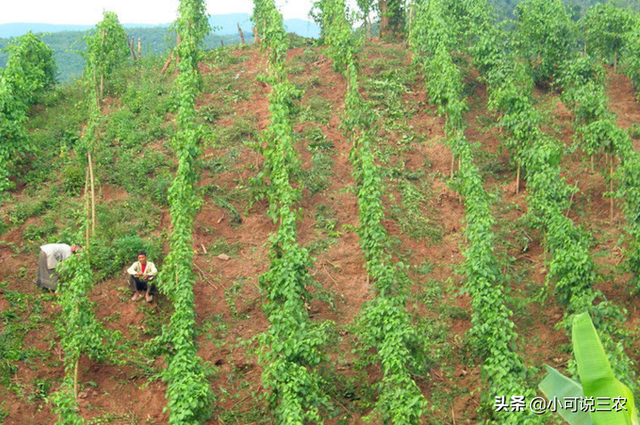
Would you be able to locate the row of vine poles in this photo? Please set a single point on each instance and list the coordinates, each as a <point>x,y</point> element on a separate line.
<point>583,83</point>
<point>432,40</point>
<point>79,330</point>
<point>189,395</point>
<point>384,324</point>
<point>291,351</point>
<point>106,51</point>
<point>571,267</point>
<point>31,70</point>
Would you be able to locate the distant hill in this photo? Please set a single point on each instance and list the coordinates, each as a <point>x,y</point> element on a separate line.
<point>18,29</point>
<point>68,45</point>
<point>224,25</point>
<point>67,40</point>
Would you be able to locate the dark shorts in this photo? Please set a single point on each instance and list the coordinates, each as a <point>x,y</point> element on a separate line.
<point>137,284</point>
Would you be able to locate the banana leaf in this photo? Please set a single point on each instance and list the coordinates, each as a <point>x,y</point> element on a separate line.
<point>561,387</point>
<point>596,375</point>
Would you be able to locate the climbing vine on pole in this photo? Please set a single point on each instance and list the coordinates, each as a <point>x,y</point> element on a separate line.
<point>107,49</point>
<point>188,391</point>
<point>30,70</point>
<point>81,333</point>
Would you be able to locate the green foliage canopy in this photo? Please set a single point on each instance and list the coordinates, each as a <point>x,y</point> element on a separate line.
<point>30,68</point>
<point>606,29</point>
<point>30,71</point>
<point>545,35</point>
<point>107,47</point>
<point>392,18</point>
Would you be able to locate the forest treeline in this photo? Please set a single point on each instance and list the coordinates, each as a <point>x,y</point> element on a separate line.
<point>576,8</point>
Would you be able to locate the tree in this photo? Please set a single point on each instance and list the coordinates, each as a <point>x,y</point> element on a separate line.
<point>107,49</point>
<point>391,18</point>
<point>631,58</point>
<point>606,29</point>
<point>545,35</point>
<point>30,71</point>
<point>31,68</point>
<point>366,7</point>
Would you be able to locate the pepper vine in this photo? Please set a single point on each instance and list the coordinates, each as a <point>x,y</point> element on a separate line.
<point>493,330</point>
<point>291,346</point>
<point>384,324</point>
<point>188,393</point>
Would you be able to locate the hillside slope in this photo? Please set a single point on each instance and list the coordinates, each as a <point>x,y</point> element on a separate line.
<point>423,214</point>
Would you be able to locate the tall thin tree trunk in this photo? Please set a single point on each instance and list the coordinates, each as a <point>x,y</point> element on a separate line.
<point>410,17</point>
<point>384,18</point>
<point>139,47</point>
<point>518,179</point>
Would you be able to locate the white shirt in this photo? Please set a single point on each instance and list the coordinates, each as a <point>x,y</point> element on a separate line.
<point>136,268</point>
<point>56,252</point>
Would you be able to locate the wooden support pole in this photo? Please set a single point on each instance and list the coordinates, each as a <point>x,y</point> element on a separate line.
<point>453,163</point>
<point>104,34</point>
<point>75,379</point>
<point>86,206</point>
<point>518,179</point>
<point>611,187</point>
<point>130,43</point>
<point>167,63</point>
<point>178,40</point>
<point>101,86</point>
<point>93,199</point>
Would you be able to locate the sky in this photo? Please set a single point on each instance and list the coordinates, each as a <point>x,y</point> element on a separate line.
<point>89,12</point>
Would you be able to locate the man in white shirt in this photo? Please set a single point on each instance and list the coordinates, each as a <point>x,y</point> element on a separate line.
<point>50,255</point>
<point>141,273</point>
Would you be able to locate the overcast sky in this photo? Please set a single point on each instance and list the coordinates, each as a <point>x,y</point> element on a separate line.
<point>89,12</point>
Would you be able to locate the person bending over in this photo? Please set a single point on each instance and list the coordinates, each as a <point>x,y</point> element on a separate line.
<point>141,275</point>
<point>50,255</point>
